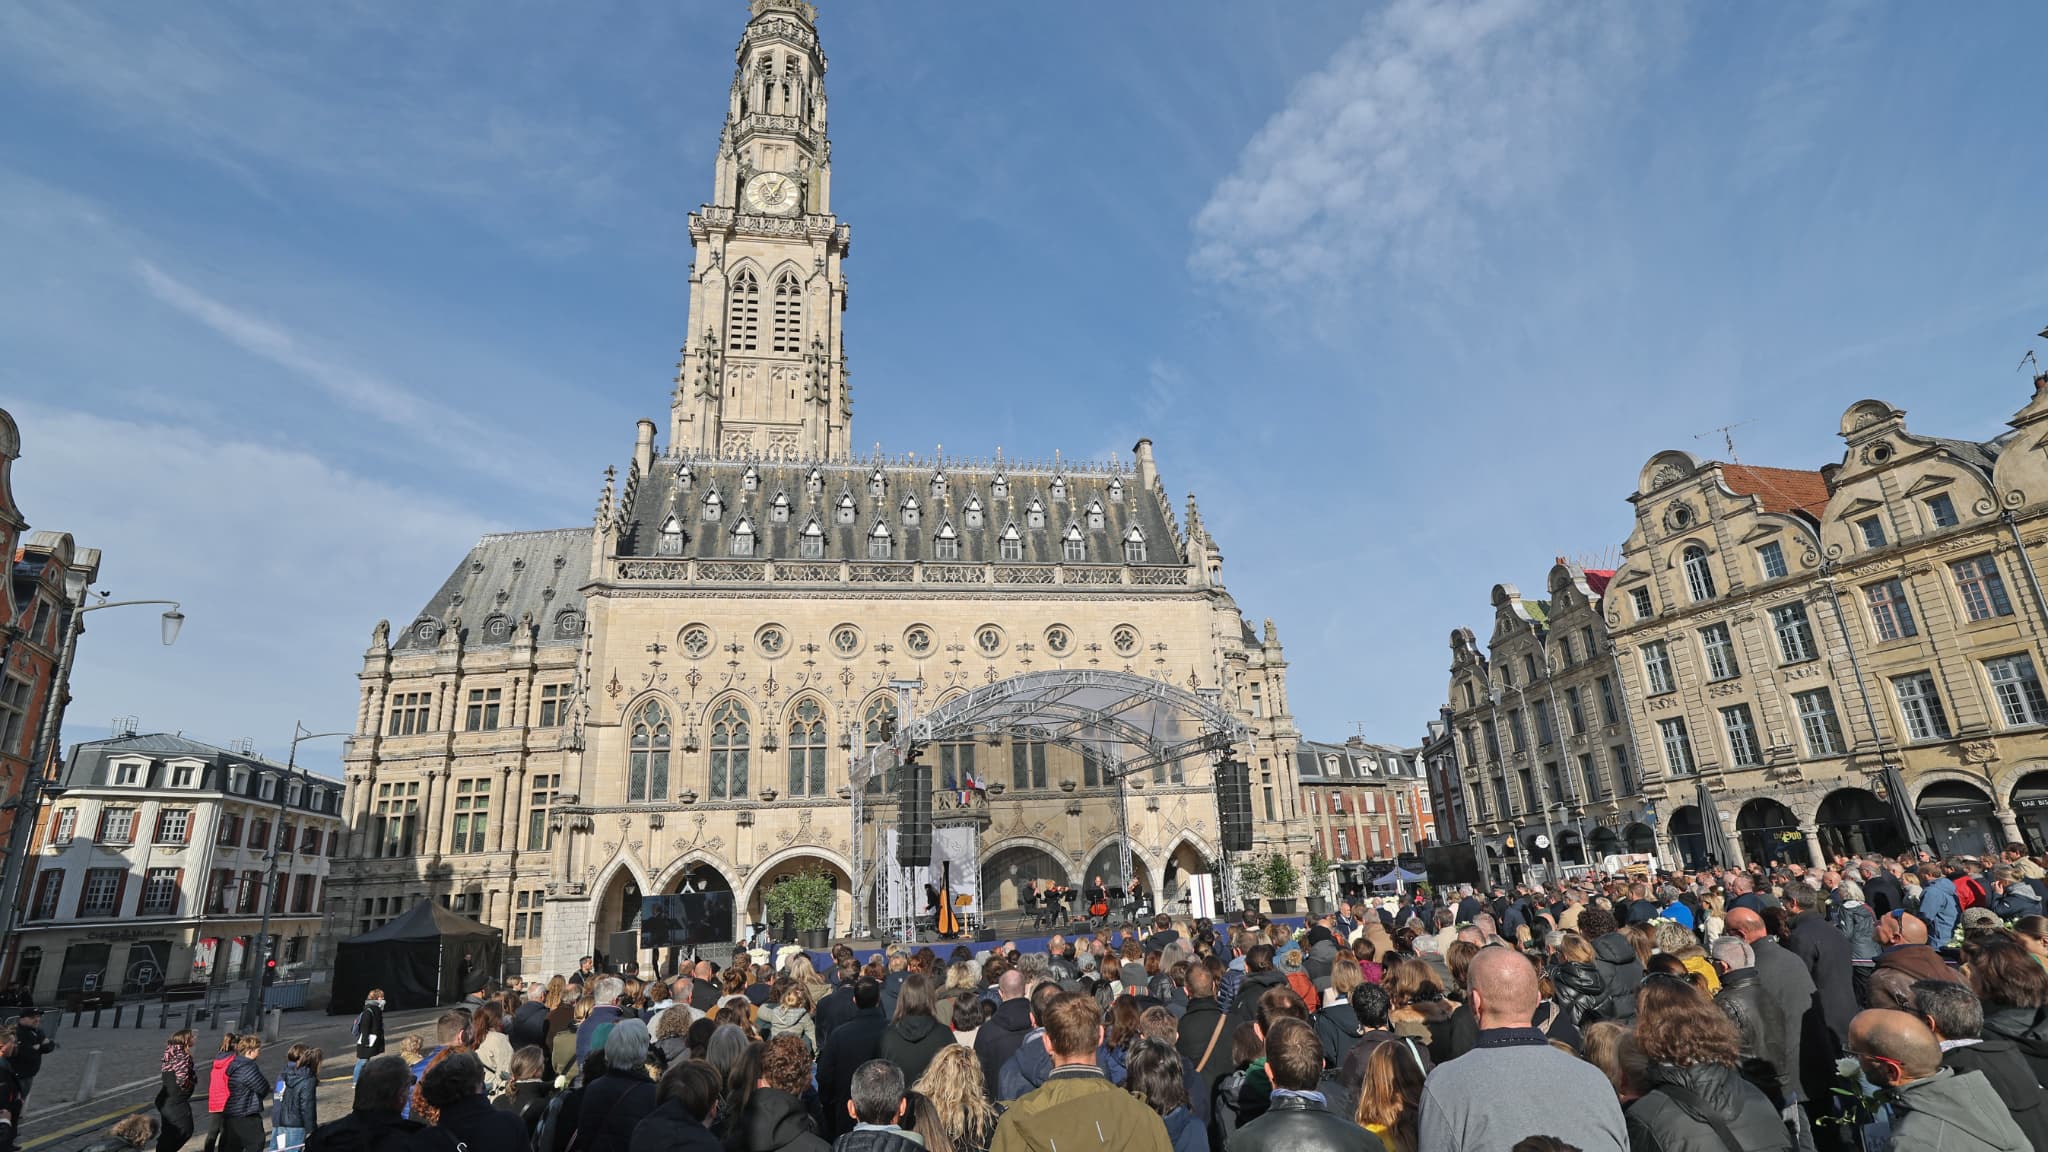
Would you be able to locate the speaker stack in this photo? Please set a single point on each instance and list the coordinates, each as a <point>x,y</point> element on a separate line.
<point>914,814</point>
<point>1234,804</point>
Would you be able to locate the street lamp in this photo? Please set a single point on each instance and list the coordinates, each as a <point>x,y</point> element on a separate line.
<point>267,895</point>
<point>29,804</point>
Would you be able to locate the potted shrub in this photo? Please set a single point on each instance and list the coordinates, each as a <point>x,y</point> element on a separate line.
<point>1318,880</point>
<point>1283,884</point>
<point>805,899</point>
<point>1251,882</point>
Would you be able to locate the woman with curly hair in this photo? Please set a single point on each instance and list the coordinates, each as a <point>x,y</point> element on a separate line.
<point>1693,1092</point>
<point>1676,940</point>
<point>1390,1099</point>
<point>2013,988</point>
<point>672,1034</point>
<point>964,1118</point>
<point>773,1117</point>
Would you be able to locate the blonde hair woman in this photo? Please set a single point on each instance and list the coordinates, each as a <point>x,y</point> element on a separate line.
<point>954,1085</point>
<point>960,977</point>
<point>800,970</point>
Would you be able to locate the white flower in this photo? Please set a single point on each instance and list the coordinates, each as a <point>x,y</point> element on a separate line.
<point>1848,1068</point>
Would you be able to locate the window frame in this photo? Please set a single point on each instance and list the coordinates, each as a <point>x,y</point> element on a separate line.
<point>1674,735</point>
<point>1717,647</point>
<point>1891,610</point>
<point>1983,588</point>
<point>1815,709</point>
<point>1771,555</point>
<point>1785,625</point>
<point>1699,574</point>
<point>1738,729</point>
<point>1659,677</point>
<point>1922,712</point>
<point>2020,699</point>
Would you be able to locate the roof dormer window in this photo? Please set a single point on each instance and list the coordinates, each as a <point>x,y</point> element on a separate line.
<point>815,482</point>
<point>778,510</point>
<point>973,511</point>
<point>1000,487</point>
<point>1134,546</point>
<point>672,537</point>
<point>1095,515</point>
<point>713,506</point>
<point>1034,514</point>
<point>938,487</point>
<point>909,510</point>
<point>743,538</point>
<point>846,508</point>
<point>1012,542</point>
<point>811,545</point>
<point>1116,490</point>
<point>750,480</point>
<point>1073,546</point>
<point>1059,488</point>
<point>877,483</point>
<point>684,477</point>
<point>946,542</point>
<point>879,541</point>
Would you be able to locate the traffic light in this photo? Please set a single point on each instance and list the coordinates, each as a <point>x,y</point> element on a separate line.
<point>270,971</point>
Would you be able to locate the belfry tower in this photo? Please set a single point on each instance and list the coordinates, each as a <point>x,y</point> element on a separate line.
<point>763,372</point>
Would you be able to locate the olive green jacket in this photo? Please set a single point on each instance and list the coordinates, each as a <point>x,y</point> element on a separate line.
<point>1077,1109</point>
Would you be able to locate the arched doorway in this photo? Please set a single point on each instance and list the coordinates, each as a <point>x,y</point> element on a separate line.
<point>1854,822</point>
<point>1571,850</point>
<point>1641,840</point>
<point>1689,836</point>
<point>2030,805</point>
<point>790,865</point>
<point>1770,833</point>
<point>1603,842</point>
<point>1005,872</point>
<point>616,909</point>
<point>1176,886</point>
<point>1108,864</point>
<point>1958,818</point>
<point>696,906</point>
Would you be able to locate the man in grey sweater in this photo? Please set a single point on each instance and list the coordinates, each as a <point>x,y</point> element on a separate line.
<point>1513,1084</point>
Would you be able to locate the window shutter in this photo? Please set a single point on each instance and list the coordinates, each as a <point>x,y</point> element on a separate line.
<point>120,890</point>
<point>177,890</point>
<point>100,830</point>
<point>82,890</point>
<point>159,834</point>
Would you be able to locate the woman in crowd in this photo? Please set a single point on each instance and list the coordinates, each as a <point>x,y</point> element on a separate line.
<point>800,970</point>
<point>2033,934</point>
<point>1120,1027</point>
<point>789,1013</point>
<point>1677,941</point>
<point>1575,978</point>
<point>493,1049</point>
<point>686,1112</point>
<point>1610,1046</point>
<point>915,1035</point>
<point>1154,1074</point>
<point>970,1012</point>
<point>1246,1048</point>
<point>248,1088</point>
<point>217,1091</point>
<point>1336,1022</point>
<point>623,1095</point>
<point>298,1098</point>
<point>560,1001</point>
<point>672,1034</point>
<point>963,1120</point>
<point>1416,999</point>
<point>174,1100</point>
<point>961,976</point>
<point>1692,1091</point>
<point>772,1116</point>
<point>526,1096</point>
<point>1390,1100</point>
<point>2013,987</point>
<point>369,1030</point>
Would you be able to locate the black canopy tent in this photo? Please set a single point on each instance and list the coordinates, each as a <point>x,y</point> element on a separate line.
<point>426,957</point>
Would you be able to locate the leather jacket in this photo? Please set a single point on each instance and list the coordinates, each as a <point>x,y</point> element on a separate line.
<point>1759,1029</point>
<point>1296,1124</point>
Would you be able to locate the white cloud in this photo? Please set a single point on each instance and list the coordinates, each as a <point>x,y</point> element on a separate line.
<point>1433,116</point>
<point>282,562</point>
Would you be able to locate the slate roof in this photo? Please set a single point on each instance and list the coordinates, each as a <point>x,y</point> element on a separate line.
<point>507,576</point>
<point>678,488</point>
<point>1358,762</point>
<point>1979,456</point>
<point>1780,489</point>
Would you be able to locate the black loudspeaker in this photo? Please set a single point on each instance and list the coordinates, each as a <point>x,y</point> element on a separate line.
<point>625,948</point>
<point>1234,804</point>
<point>914,814</point>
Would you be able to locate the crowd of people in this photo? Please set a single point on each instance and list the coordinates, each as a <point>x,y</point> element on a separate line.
<point>1880,1003</point>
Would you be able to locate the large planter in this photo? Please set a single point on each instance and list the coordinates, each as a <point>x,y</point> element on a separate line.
<point>1281,907</point>
<point>817,938</point>
<point>1318,905</point>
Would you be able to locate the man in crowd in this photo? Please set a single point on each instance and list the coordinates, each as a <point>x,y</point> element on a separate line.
<point>854,1042</point>
<point>1824,951</point>
<point>876,1107</point>
<point>1298,1116</point>
<point>1902,944</point>
<point>1077,1107</point>
<point>1003,1033</point>
<point>1788,990</point>
<point>1957,1020</point>
<point>30,1046</point>
<point>1939,906</point>
<point>604,1010</point>
<point>1939,1108</point>
<point>375,1124</point>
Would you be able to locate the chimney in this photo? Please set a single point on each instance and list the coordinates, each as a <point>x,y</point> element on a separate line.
<point>643,447</point>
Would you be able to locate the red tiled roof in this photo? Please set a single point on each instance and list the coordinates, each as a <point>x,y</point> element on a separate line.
<point>1597,579</point>
<point>1780,489</point>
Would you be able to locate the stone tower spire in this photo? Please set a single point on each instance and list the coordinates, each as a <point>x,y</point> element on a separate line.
<point>764,370</point>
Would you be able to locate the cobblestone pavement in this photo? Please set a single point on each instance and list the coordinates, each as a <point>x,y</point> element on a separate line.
<point>130,1059</point>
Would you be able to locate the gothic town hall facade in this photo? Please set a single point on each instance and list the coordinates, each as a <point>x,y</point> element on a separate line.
<point>672,696</point>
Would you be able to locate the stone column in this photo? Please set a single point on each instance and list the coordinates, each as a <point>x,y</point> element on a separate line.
<point>436,806</point>
<point>1815,857</point>
<point>2009,824</point>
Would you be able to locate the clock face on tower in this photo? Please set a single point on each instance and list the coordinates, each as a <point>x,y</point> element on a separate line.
<point>770,194</point>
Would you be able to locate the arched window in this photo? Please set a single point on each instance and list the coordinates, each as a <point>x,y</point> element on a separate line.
<point>1134,546</point>
<point>807,750</point>
<point>1699,578</point>
<point>671,537</point>
<point>878,541</point>
<point>811,545</point>
<point>946,544</point>
<point>1011,543</point>
<point>647,766</point>
<point>1073,546</point>
<point>877,724</point>
<point>743,313</point>
<point>729,737</point>
<point>743,538</point>
<point>789,314</point>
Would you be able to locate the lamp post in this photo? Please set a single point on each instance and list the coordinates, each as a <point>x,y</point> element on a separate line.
<point>29,804</point>
<point>267,895</point>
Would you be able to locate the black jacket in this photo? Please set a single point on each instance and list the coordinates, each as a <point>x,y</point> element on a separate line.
<point>853,1043</point>
<point>670,1129</point>
<point>998,1037</point>
<point>1337,1028</point>
<point>612,1106</point>
<point>248,1088</point>
<point>1294,1124</point>
<point>876,1140</point>
<point>525,1099</point>
<point>299,1106</point>
<point>1678,1112</point>
<point>775,1121</point>
<point>1256,984</point>
<point>30,1045</point>
<point>175,1101</point>
<point>1197,1025</point>
<point>835,1009</point>
<point>1621,973</point>
<point>371,1132</point>
<point>529,1026</point>
<point>478,1127</point>
<point>1826,954</point>
<point>912,1042</point>
<point>1788,989</point>
<point>369,1029</point>
<point>1883,893</point>
<point>1581,989</point>
<point>2001,1063</point>
<point>2027,1028</point>
<point>1758,1027</point>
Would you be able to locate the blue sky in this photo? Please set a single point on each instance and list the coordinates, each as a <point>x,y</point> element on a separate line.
<point>302,298</point>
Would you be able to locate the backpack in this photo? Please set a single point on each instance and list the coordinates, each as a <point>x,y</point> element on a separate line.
<point>551,1121</point>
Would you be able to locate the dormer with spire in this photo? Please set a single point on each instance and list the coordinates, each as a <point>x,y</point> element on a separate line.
<point>763,374</point>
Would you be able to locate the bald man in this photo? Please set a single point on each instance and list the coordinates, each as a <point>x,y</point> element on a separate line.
<point>1513,1084</point>
<point>1789,991</point>
<point>1902,944</point>
<point>1941,1109</point>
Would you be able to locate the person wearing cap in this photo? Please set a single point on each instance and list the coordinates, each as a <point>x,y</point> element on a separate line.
<point>30,1047</point>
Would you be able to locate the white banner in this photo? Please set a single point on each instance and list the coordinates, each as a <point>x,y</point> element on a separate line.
<point>904,888</point>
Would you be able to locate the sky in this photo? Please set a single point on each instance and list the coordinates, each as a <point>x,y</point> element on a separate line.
<point>301,299</point>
